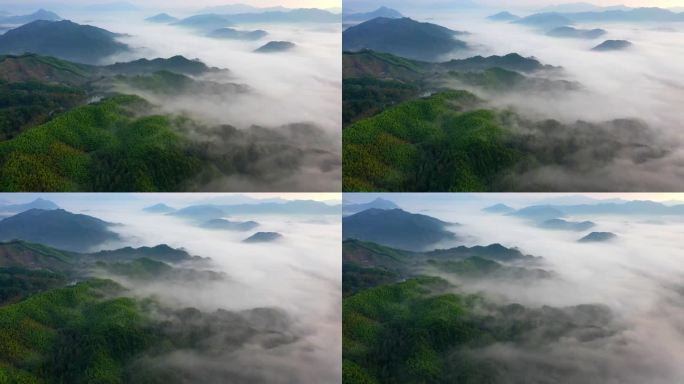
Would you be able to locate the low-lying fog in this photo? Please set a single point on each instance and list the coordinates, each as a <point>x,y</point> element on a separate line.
<point>300,274</point>
<point>642,82</point>
<point>639,276</point>
<point>298,86</point>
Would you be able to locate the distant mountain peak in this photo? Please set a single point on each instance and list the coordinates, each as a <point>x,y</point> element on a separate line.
<point>63,39</point>
<point>612,45</point>
<point>403,37</point>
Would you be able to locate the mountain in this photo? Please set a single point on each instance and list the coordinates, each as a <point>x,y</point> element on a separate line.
<point>301,15</point>
<point>234,34</point>
<point>560,224</point>
<point>171,84</point>
<point>373,255</point>
<point>380,12</point>
<point>208,22</point>
<point>108,146</point>
<point>652,14</point>
<point>598,237</point>
<point>35,204</point>
<point>22,254</point>
<point>27,268</point>
<point>293,207</point>
<point>626,208</point>
<point>503,16</point>
<point>402,37</point>
<point>176,64</point>
<point>379,203</point>
<point>159,208</point>
<point>161,252</point>
<point>33,91</point>
<point>612,45</point>
<point>448,128</point>
<point>499,208</point>
<point>396,228</point>
<point>63,39</point>
<point>263,237</point>
<point>479,267</point>
<point>563,18</point>
<point>230,225</point>
<point>43,69</point>
<point>25,19</point>
<point>571,32</point>
<point>228,9</point>
<point>199,212</point>
<point>502,80</point>
<point>367,63</point>
<point>580,7</point>
<point>511,62</point>
<point>548,20</point>
<point>539,212</point>
<point>275,46</point>
<point>57,228</point>
<point>214,21</point>
<point>162,18</point>
<point>496,252</point>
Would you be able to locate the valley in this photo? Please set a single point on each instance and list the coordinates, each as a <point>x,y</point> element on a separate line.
<point>506,299</point>
<point>104,105</point>
<point>105,291</point>
<point>476,102</point>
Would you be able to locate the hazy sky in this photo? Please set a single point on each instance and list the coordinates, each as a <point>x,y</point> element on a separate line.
<point>520,199</point>
<point>193,4</point>
<point>630,3</point>
<point>504,4</point>
<point>138,200</point>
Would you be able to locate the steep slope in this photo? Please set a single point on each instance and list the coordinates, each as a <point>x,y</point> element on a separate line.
<point>367,63</point>
<point>45,69</point>
<point>63,39</point>
<point>22,254</point>
<point>402,37</point>
<point>439,143</point>
<point>57,228</point>
<point>396,228</point>
<point>100,146</point>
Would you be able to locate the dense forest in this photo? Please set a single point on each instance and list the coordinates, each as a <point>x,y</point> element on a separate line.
<point>61,323</point>
<point>102,128</point>
<point>419,126</point>
<point>401,324</point>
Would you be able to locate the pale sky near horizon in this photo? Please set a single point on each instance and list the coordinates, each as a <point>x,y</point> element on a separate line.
<point>629,3</point>
<point>192,4</point>
<point>514,4</point>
